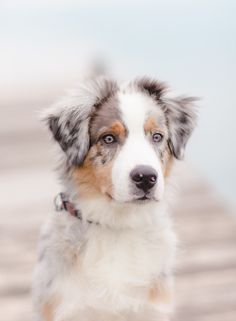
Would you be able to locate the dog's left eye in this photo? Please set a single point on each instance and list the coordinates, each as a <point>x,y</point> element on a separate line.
<point>157,137</point>
<point>108,139</point>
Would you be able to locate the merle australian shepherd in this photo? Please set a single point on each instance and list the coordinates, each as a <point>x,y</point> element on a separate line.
<point>109,252</point>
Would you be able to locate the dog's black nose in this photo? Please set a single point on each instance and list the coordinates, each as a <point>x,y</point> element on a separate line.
<point>144,177</point>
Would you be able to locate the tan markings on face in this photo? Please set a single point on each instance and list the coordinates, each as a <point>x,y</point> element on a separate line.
<point>118,128</point>
<point>49,309</point>
<point>160,293</point>
<point>168,164</point>
<point>94,176</point>
<point>151,126</point>
<point>167,160</point>
<point>93,180</point>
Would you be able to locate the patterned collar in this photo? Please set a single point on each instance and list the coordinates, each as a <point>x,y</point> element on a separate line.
<point>62,203</point>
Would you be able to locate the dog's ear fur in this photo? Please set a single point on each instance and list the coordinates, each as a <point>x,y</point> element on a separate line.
<point>150,86</point>
<point>69,119</point>
<point>181,116</point>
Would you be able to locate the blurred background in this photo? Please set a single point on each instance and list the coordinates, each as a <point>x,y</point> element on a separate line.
<point>45,47</point>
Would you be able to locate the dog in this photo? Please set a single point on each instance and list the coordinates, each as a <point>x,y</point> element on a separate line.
<point>108,250</point>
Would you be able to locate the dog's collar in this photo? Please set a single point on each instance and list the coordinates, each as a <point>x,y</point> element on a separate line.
<point>62,203</point>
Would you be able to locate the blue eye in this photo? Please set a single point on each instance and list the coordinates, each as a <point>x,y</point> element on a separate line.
<point>108,139</point>
<point>157,137</point>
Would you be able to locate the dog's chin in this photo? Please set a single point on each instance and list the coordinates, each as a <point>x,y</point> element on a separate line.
<point>144,199</point>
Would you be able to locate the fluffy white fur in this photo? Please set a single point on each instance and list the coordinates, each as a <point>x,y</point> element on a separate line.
<point>110,280</point>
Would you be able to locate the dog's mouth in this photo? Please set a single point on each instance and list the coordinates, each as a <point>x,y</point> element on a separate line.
<point>144,199</point>
<point>140,200</point>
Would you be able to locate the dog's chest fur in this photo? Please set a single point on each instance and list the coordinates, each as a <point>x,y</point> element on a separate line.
<point>106,270</point>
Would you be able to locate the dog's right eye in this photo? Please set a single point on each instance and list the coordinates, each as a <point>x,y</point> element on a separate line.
<point>108,139</point>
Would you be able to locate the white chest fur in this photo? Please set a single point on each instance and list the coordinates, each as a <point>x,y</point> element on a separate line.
<point>126,257</point>
<point>105,269</point>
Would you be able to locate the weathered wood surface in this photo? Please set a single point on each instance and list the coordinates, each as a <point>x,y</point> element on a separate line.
<point>206,277</point>
<point>206,273</point>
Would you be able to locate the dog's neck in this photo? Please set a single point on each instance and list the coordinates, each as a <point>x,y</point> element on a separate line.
<point>105,212</point>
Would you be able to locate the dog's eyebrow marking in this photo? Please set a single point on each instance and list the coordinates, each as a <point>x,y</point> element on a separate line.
<point>116,127</point>
<point>152,124</point>
<point>119,129</point>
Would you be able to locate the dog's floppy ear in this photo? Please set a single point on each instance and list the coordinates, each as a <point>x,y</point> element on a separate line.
<point>181,116</point>
<point>69,119</point>
<point>69,128</point>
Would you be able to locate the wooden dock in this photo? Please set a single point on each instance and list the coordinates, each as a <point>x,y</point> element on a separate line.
<point>206,273</point>
<point>206,277</point>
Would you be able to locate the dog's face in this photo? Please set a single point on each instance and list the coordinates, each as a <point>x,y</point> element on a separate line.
<point>120,142</point>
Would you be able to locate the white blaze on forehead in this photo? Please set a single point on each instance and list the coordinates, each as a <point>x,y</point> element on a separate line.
<point>135,108</point>
<point>137,150</point>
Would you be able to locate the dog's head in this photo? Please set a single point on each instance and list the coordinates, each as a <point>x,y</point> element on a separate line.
<point>120,142</point>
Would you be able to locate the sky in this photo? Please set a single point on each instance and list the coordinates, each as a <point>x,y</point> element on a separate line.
<point>189,44</point>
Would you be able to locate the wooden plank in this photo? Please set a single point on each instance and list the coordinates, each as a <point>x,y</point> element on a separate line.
<point>211,316</point>
<point>208,258</point>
